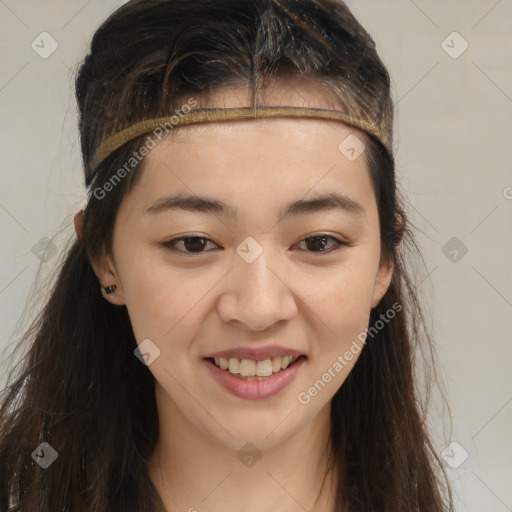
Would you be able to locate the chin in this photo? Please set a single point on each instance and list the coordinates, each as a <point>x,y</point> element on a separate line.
<point>263,428</point>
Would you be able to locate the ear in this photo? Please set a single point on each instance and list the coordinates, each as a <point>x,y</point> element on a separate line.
<point>104,268</point>
<point>78,221</point>
<point>382,281</point>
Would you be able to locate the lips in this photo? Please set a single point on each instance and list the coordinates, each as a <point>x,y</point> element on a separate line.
<point>255,388</point>
<point>256,354</point>
<point>253,373</point>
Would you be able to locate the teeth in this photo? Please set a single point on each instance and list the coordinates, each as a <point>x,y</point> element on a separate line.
<point>285,361</point>
<point>234,365</point>
<point>251,368</point>
<point>247,368</point>
<point>264,368</point>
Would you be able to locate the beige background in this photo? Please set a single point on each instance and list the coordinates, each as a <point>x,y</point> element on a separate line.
<point>454,123</point>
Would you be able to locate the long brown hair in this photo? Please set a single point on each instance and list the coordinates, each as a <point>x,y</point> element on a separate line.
<point>80,388</point>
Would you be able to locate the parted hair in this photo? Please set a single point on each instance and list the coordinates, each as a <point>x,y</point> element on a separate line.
<point>79,386</point>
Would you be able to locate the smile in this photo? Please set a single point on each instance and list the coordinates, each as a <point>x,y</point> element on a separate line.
<point>253,380</point>
<point>250,368</point>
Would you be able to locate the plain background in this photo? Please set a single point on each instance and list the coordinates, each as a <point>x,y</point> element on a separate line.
<point>453,143</point>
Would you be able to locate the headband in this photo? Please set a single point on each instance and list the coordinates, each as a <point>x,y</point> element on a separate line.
<point>209,115</point>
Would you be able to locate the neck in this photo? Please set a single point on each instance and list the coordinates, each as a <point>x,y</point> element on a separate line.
<point>193,471</point>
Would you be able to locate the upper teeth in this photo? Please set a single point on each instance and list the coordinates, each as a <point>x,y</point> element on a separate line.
<point>250,368</point>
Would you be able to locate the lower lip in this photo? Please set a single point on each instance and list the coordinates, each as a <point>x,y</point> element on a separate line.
<point>255,389</point>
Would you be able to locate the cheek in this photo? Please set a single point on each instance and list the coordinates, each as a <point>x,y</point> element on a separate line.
<point>168,305</point>
<point>345,290</point>
<point>162,308</point>
<point>342,306</point>
<point>153,293</point>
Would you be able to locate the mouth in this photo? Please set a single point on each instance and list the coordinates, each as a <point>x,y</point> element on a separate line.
<point>252,370</point>
<point>255,380</point>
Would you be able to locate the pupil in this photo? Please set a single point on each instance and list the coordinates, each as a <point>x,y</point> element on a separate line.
<point>194,246</point>
<point>323,241</point>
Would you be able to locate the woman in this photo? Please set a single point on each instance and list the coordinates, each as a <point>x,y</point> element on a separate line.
<point>233,328</point>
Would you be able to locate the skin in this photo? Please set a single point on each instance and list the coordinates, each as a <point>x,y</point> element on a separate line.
<point>290,295</point>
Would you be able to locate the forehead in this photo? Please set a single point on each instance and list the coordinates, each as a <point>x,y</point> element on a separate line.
<point>262,163</point>
<point>258,138</point>
<point>237,128</point>
<point>287,91</point>
<point>278,149</point>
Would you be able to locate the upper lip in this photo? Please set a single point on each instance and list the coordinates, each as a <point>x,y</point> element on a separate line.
<point>257,354</point>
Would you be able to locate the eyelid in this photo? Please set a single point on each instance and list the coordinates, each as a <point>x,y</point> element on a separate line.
<point>169,245</point>
<point>339,243</point>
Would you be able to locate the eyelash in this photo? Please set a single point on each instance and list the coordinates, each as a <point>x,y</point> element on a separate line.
<point>170,245</point>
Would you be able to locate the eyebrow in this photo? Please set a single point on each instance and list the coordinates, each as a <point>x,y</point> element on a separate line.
<point>194,203</point>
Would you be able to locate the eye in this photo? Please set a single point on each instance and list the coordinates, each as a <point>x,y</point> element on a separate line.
<point>195,245</point>
<point>319,242</point>
<point>192,244</point>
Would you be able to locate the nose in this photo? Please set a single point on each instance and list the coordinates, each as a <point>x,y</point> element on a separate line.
<point>257,295</point>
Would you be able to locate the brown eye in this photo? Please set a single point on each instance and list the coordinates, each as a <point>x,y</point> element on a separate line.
<point>195,245</point>
<point>319,243</point>
<point>190,244</point>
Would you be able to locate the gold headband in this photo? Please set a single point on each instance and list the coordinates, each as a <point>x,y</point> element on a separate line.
<point>208,115</point>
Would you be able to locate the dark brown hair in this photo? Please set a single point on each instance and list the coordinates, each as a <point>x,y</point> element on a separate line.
<point>81,389</point>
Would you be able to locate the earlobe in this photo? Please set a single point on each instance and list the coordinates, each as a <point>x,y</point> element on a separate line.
<point>109,292</point>
<point>106,272</point>
<point>382,282</point>
<point>104,268</point>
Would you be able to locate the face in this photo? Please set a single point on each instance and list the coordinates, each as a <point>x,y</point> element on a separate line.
<point>271,270</point>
